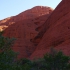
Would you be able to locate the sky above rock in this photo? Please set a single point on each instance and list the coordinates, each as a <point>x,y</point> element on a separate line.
<point>13,7</point>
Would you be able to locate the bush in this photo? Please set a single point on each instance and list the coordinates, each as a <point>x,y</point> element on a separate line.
<point>51,61</point>
<point>7,55</point>
<point>57,61</point>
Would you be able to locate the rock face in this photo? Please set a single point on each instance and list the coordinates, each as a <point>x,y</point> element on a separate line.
<point>23,28</point>
<point>3,23</point>
<point>28,14</point>
<point>55,32</point>
<point>35,12</point>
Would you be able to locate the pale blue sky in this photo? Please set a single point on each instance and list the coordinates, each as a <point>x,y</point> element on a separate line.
<point>13,7</point>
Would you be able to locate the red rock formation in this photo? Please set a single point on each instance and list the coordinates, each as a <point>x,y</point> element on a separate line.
<point>36,12</point>
<point>56,31</point>
<point>28,14</point>
<point>23,29</point>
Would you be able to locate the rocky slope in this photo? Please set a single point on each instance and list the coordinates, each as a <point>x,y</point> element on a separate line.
<point>55,32</point>
<point>28,14</point>
<point>23,28</point>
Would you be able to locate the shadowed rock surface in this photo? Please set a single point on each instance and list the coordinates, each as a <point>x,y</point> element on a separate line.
<point>23,28</point>
<point>55,32</point>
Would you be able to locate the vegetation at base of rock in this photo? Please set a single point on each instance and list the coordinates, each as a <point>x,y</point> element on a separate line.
<point>7,55</point>
<point>51,61</point>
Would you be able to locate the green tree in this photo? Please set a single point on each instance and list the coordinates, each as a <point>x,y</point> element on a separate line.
<point>51,61</point>
<point>57,61</point>
<point>7,55</point>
